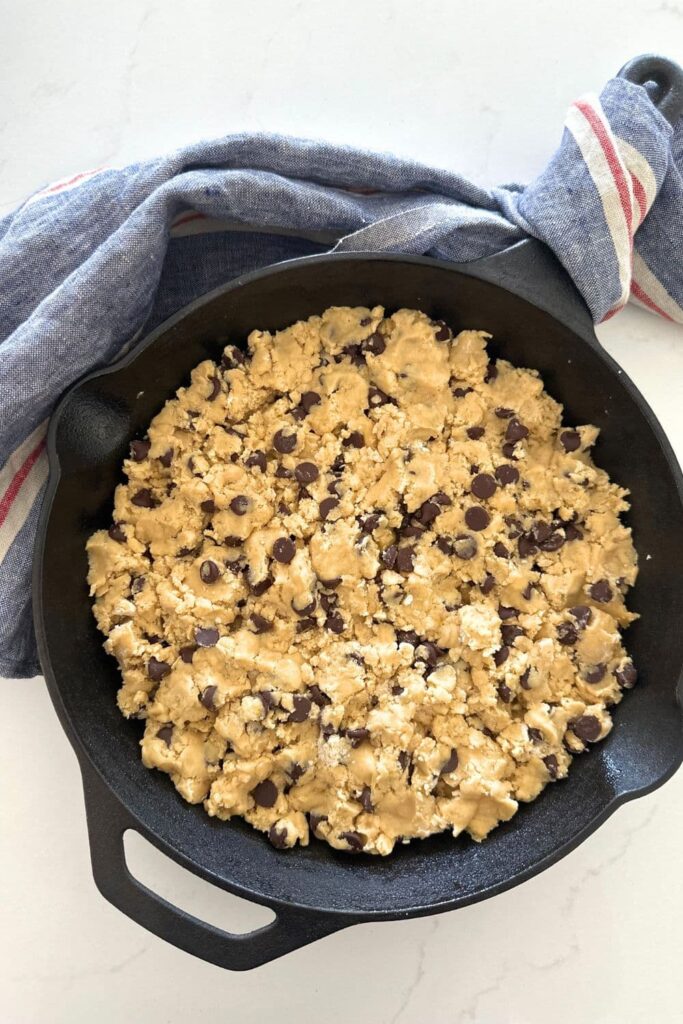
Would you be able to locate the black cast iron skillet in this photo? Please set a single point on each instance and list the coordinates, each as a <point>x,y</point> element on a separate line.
<point>525,300</point>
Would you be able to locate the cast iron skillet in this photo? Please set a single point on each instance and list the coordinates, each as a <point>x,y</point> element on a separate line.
<point>526,301</point>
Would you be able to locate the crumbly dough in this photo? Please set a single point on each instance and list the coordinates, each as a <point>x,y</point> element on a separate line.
<point>362,583</point>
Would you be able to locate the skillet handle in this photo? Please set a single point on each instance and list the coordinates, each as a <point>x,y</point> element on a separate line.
<point>662,80</point>
<point>107,823</point>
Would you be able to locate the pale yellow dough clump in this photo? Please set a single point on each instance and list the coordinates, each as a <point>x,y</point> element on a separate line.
<point>347,647</point>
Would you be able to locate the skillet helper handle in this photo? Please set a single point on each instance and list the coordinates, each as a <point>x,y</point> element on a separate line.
<point>662,79</point>
<point>107,823</point>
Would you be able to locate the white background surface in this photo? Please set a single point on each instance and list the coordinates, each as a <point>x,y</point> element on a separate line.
<point>480,87</point>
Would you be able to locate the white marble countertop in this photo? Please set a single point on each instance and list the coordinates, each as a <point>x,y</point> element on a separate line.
<point>480,87</point>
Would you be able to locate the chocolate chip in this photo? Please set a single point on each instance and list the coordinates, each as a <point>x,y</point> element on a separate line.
<point>552,765</point>
<point>465,546</point>
<point>282,473</point>
<point>284,550</point>
<point>232,357</point>
<point>310,607</point>
<point>451,764</point>
<point>582,614</point>
<point>354,839</point>
<point>429,652</point>
<point>326,506</point>
<point>501,656</point>
<point>354,440</point>
<point>314,820</point>
<point>516,431</point>
<point>334,623</point>
<point>388,556</point>
<point>595,674</point>
<point>166,458</point>
<point>284,443</point>
<point>535,735</point>
<point>302,709</point>
<point>475,433</point>
<point>477,518</point>
<point>257,459</point>
<point>139,450</point>
<point>365,799</point>
<point>355,354</point>
<point>524,679</point>
<point>277,837</point>
<point>541,531</point>
<point>187,653</point>
<point>209,571</point>
<point>445,545</point>
<point>207,696</point>
<point>260,624</point>
<point>484,486</point>
<point>165,734</point>
<point>627,675</point>
<point>601,592</point>
<point>507,612</point>
<point>572,532</point>
<point>157,670</point>
<point>303,625</point>
<point>567,634</point>
<point>331,584</point>
<point>267,698</point>
<point>508,450</point>
<point>308,400</point>
<point>505,693</point>
<point>552,543</point>
<point>500,550</point>
<point>356,736</point>
<point>506,474</point>
<point>377,397</point>
<point>328,602</point>
<point>306,472</point>
<point>570,440</point>
<point>443,332</point>
<point>587,728</point>
<point>137,584</point>
<point>403,760</point>
<point>374,344</point>
<point>116,533</point>
<point>265,793</point>
<point>510,632</point>
<point>208,506</point>
<point>206,636</point>
<point>526,546</point>
<point>504,414</point>
<point>488,584</point>
<point>369,523</point>
<point>461,392</point>
<point>239,504</point>
<point>407,636</point>
<point>428,512</point>
<point>405,559</point>
<point>215,389</point>
<point>397,689</point>
<point>258,589</point>
<point>144,499</point>
<point>318,697</point>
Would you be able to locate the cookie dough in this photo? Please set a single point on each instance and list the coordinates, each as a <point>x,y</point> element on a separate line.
<point>362,583</point>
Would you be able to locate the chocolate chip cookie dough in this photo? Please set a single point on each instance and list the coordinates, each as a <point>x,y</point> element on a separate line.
<point>363,584</point>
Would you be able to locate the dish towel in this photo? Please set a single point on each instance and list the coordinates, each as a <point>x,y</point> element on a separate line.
<point>89,262</point>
